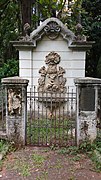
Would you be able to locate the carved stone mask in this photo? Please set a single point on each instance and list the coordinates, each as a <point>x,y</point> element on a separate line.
<point>52,30</point>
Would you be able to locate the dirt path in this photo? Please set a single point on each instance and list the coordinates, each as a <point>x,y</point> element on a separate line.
<point>34,163</point>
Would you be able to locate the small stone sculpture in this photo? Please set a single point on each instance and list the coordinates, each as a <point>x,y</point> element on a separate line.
<point>14,102</point>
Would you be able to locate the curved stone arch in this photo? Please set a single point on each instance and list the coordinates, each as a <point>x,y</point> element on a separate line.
<point>62,30</point>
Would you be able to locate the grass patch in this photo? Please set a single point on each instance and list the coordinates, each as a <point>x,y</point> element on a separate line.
<point>4,149</point>
<point>76,158</point>
<point>58,165</point>
<point>93,150</point>
<point>50,131</point>
<point>23,168</point>
<point>38,160</point>
<point>96,158</point>
<point>72,150</point>
<point>44,176</point>
<point>4,146</point>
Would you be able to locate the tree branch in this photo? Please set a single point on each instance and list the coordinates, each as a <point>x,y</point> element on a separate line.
<point>4,8</point>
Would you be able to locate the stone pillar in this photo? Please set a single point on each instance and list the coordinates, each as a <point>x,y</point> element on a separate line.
<point>16,109</point>
<point>87,108</point>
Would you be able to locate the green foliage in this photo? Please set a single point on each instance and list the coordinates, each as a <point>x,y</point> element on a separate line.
<point>96,158</point>
<point>76,158</point>
<point>87,146</point>
<point>94,152</point>
<point>9,28</point>
<point>88,13</point>
<point>91,21</point>
<point>4,149</point>
<point>50,131</point>
<point>72,150</point>
<point>11,68</point>
<point>99,67</point>
<point>4,146</point>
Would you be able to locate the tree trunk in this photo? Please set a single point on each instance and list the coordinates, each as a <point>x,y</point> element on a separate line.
<point>26,12</point>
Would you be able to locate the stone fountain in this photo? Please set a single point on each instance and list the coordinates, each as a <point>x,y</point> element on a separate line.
<point>51,84</point>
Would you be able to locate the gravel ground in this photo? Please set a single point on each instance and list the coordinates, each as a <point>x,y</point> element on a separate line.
<point>35,163</point>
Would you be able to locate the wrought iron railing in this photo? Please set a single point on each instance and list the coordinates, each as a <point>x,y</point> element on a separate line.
<point>51,118</point>
<point>2,109</point>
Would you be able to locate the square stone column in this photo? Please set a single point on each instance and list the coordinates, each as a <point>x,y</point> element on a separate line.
<point>87,108</point>
<point>16,109</point>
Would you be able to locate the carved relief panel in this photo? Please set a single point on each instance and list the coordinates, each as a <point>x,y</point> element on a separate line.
<point>52,79</point>
<point>14,101</point>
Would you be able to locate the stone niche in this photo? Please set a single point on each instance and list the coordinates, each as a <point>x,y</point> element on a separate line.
<point>51,36</point>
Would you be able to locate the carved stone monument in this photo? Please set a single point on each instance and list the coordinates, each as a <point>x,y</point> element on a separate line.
<point>52,35</point>
<point>51,84</point>
<point>52,79</point>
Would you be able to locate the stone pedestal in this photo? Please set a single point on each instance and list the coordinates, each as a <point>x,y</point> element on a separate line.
<point>16,109</point>
<point>87,108</point>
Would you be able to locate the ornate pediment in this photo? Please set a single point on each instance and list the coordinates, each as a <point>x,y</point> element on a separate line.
<point>52,28</point>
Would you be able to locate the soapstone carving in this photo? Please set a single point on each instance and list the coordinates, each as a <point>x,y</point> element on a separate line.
<point>14,102</point>
<point>52,79</point>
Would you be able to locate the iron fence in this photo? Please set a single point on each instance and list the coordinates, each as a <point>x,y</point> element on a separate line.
<point>51,118</point>
<point>99,115</point>
<point>2,110</point>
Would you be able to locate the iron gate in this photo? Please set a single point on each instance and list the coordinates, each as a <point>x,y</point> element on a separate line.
<point>51,118</point>
<point>99,115</point>
<point>2,111</point>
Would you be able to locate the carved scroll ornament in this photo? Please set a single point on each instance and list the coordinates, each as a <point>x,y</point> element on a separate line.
<point>52,30</point>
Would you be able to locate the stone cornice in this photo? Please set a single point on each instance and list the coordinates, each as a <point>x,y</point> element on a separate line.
<point>87,81</point>
<point>81,45</point>
<point>14,80</point>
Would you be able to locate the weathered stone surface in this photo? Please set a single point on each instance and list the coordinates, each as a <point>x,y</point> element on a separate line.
<point>14,80</point>
<point>14,101</point>
<point>52,27</point>
<point>87,108</point>
<point>87,80</point>
<point>52,79</point>
<point>16,89</point>
<point>87,125</point>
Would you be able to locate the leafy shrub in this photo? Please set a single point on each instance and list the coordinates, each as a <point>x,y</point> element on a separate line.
<point>94,152</point>
<point>96,158</point>
<point>87,146</point>
<point>9,69</point>
<point>4,146</point>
